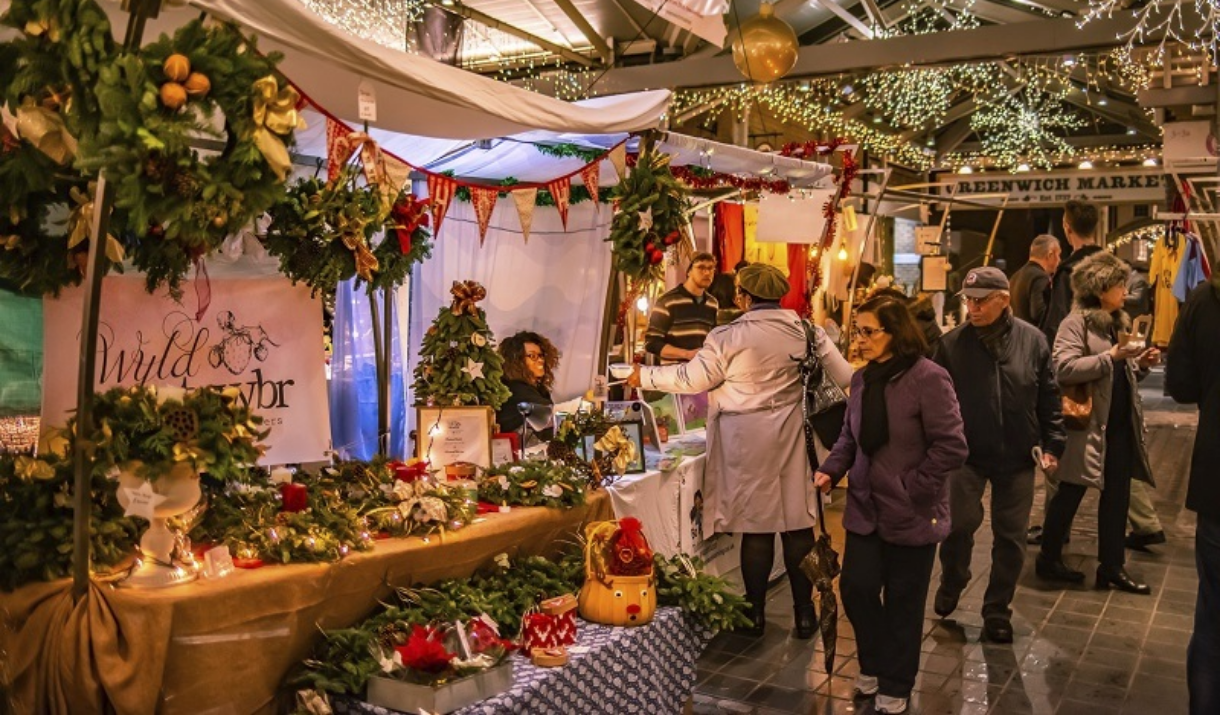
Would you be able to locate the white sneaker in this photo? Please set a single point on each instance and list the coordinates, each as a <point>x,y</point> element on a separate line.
<point>890,706</point>
<point>866,686</point>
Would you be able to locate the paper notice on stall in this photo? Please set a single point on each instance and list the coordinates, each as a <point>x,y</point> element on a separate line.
<point>366,100</point>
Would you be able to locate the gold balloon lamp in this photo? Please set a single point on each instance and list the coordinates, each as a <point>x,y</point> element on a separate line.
<point>765,47</point>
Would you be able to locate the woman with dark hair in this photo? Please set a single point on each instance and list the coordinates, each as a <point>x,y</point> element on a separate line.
<point>902,437</point>
<point>1107,451</point>
<point>529,373</point>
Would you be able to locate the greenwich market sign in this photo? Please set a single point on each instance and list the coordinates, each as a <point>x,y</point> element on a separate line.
<point>1025,189</point>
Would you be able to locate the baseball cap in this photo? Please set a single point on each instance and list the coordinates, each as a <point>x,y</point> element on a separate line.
<point>982,282</point>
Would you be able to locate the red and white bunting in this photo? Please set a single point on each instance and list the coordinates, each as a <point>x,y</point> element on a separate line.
<point>337,149</point>
<point>525,200</point>
<point>441,189</point>
<point>591,174</point>
<point>618,157</point>
<point>484,200</point>
<point>561,191</point>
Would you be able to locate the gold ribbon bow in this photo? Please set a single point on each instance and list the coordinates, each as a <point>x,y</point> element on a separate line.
<point>44,128</point>
<point>350,227</point>
<point>465,296</point>
<point>29,469</point>
<point>275,116</point>
<point>376,170</point>
<point>615,441</point>
<point>81,218</point>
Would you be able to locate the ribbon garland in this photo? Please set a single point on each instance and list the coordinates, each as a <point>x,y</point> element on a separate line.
<point>616,442</point>
<point>275,116</point>
<point>466,295</point>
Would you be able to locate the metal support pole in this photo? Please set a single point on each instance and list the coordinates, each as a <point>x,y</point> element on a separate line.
<point>383,380</point>
<point>98,263</point>
<point>378,361</point>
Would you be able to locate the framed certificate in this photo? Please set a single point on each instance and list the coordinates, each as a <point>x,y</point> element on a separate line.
<point>934,273</point>
<point>455,434</point>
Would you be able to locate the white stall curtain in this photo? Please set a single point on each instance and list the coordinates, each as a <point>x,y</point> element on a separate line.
<point>555,285</point>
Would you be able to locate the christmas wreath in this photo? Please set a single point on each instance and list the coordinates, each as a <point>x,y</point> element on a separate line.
<point>155,104</point>
<point>651,217</point>
<point>323,233</point>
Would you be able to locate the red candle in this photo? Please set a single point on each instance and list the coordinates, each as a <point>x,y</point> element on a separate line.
<point>295,497</point>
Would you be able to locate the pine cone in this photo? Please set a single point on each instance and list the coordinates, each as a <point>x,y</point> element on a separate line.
<point>184,184</point>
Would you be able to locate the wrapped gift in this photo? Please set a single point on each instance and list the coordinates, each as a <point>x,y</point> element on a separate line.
<point>562,610</point>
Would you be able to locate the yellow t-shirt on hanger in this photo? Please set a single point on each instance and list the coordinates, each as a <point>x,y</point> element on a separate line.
<point>1162,274</point>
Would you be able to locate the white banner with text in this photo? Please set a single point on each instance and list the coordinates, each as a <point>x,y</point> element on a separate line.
<point>261,335</point>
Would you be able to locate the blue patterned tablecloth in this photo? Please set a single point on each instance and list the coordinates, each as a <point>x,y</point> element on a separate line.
<point>648,670</point>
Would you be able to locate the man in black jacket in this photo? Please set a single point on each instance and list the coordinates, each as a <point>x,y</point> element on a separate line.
<point>1001,370</point>
<point>1192,376</point>
<point>1080,224</point>
<point>1031,284</point>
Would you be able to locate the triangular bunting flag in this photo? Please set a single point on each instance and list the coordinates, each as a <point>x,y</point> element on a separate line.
<point>441,189</point>
<point>561,191</point>
<point>618,157</point>
<point>525,200</point>
<point>590,175</point>
<point>484,200</point>
<point>398,172</point>
<point>337,150</point>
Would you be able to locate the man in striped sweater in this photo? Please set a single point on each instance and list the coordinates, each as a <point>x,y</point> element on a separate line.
<point>682,317</point>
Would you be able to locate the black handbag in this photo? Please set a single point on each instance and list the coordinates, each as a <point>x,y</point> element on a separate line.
<point>825,406</point>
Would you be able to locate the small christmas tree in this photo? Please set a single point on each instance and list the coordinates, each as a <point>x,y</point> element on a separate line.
<point>458,362</point>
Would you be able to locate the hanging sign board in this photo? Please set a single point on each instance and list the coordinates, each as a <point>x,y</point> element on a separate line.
<point>260,335</point>
<point>793,218</point>
<point>1121,186</point>
<point>1189,144</point>
<point>927,240</point>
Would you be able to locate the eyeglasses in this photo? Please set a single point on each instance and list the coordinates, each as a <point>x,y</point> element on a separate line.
<point>534,356</point>
<point>866,332</point>
<point>980,301</point>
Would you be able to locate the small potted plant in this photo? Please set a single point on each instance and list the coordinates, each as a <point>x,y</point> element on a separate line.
<point>156,442</point>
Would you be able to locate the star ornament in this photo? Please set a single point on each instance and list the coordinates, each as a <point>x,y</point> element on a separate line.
<point>646,219</point>
<point>143,501</point>
<point>473,369</point>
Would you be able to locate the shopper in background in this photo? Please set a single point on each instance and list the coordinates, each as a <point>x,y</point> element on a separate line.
<point>724,289</point>
<point>921,309</point>
<point>757,476</point>
<point>1031,284</point>
<point>901,440</point>
<point>1002,374</point>
<point>1192,376</point>
<point>682,317</point>
<point>530,361</point>
<point>1091,350</point>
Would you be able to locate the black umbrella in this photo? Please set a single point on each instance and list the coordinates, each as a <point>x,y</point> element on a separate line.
<point>821,565</point>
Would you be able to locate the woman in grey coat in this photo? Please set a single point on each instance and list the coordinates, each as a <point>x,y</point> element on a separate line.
<point>1091,349</point>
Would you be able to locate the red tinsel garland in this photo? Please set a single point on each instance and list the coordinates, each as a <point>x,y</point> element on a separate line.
<point>703,180</point>
<point>811,149</point>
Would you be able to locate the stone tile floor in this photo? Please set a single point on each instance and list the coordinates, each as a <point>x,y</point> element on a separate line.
<point>1077,651</point>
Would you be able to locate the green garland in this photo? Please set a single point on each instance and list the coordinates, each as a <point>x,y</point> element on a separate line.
<point>579,193</point>
<point>570,151</point>
<point>649,195</point>
<point>36,521</point>
<point>682,582</point>
<point>180,205</point>
<point>533,483</point>
<point>306,235</point>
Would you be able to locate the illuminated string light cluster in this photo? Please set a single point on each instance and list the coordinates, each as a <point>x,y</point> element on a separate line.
<point>1194,24</point>
<point>382,21</point>
<point>1149,155</point>
<point>1025,128</point>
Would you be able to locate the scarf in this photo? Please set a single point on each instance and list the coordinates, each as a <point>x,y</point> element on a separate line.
<point>995,336</point>
<point>874,414</point>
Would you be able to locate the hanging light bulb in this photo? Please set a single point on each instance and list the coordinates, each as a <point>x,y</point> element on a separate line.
<point>1023,167</point>
<point>642,304</point>
<point>965,170</point>
<point>1086,164</point>
<point>842,255</point>
<point>1149,162</point>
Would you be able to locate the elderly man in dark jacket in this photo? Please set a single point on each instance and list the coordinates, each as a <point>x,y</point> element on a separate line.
<point>1192,375</point>
<point>1001,370</point>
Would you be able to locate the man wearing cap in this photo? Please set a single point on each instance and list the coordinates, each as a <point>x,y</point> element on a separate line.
<point>682,317</point>
<point>757,479</point>
<point>1001,370</point>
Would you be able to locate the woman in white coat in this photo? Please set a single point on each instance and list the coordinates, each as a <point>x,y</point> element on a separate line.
<point>757,480</point>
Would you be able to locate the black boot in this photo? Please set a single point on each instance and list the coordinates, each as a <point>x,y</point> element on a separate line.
<point>1120,579</point>
<point>806,621</point>
<point>1056,571</point>
<point>759,618</point>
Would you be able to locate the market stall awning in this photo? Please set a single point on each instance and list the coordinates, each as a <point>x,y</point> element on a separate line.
<point>415,94</point>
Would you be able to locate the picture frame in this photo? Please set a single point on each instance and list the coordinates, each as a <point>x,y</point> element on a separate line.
<point>505,448</point>
<point>693,409</point>
<point>666,410</point>
<point>447,435</point>
<point>637,411</point>
<point>933,274</point>
<point>634,432</point>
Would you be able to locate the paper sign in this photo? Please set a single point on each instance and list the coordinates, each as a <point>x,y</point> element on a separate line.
<point>366,97</point>
<point>142,502</point>
<point>927,240</point>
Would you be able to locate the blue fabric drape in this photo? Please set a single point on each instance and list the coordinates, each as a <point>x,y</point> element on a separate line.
<point>353,382</point>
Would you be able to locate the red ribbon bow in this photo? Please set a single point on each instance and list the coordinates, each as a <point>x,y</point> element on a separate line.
<point>409,213</point>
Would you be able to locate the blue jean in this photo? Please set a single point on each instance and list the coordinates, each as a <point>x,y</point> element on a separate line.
<point>1203,655</point>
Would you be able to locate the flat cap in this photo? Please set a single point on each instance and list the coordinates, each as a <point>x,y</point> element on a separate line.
<point>763,281</point>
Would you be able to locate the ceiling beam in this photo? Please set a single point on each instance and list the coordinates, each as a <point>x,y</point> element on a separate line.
<point>1004,14</point>
<point>984,43</point>
<point>953,137</point>
<point>481,17</point>
<point>855,22</point>
<point>598,42</point>
<point>876,15</point>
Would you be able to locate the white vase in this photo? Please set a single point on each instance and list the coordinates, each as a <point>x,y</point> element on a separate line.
<point>156,567</point>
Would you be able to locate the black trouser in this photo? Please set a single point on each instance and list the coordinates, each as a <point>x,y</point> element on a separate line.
<point>885,590</point>
<point>1111,511</point>
<point>757,556</point>
<point>1012,496</point>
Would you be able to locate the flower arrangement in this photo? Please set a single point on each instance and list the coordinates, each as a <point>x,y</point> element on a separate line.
<point>148,430</point>
<point>546,483</point>
<point>434,654</point>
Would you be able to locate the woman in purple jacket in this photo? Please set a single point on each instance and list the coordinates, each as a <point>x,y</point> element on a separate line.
<point>901,439</point>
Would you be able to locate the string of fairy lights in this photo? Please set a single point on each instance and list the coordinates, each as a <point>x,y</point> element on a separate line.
<point>1193,24</point>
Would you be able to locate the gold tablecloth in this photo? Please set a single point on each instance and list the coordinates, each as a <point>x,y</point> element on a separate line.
<point>225,646</point>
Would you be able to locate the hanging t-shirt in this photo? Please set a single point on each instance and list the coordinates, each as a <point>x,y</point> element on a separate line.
<point>1162,275</point>
<point>1191,273</point>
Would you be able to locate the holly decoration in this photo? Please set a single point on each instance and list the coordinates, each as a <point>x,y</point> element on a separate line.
<point>651,216</point>
<point>445,376</point>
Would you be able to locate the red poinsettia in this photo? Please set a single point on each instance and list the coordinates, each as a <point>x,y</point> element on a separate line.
<point>483,637</point>
<point>424,651</point>
<point>409,214</point>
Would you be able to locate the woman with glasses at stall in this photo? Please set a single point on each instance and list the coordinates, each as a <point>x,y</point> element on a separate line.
<point>529,373</point>
<point>902,437</point>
